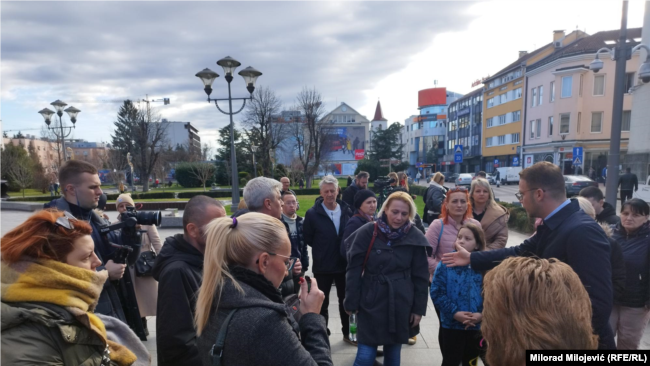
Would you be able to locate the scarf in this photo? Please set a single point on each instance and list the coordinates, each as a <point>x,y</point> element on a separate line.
<point>392,234</point>
<point>258,282</point>
<point>73,288</point>
<point>365,216</point>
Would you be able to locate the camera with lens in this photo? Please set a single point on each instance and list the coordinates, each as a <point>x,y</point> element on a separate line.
<point>383,188</point>
<point>131,236</point>
<point>383,182</point>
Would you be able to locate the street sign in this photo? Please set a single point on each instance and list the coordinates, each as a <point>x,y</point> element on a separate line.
<point>515,161</point>
<point>577,156</point>
<point>496,163</point>
<point>458,154</point>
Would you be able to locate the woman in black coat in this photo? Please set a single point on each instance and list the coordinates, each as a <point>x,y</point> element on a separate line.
<point>387,279</point>
<point>630,314</point>
<point>365,206</point>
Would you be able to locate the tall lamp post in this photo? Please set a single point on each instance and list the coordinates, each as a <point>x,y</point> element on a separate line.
<point>254,148</point>
<point>250,75</point>
<point>621,53</point>
<point>60,132</point>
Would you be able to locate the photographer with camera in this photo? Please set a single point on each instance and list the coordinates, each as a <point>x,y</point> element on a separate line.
<point>81,190</point>
<point>146,287</point>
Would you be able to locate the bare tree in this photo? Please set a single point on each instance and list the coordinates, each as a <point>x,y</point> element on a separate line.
<point>207,152</point>
<point>262,127</point>
<point>115,162</point>
<point>314,141</point>
<point>203,172</point>
<point>22,174</point>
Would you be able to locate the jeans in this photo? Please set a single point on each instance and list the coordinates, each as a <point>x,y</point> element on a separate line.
<point>325,281</point>
<point>366,355</point>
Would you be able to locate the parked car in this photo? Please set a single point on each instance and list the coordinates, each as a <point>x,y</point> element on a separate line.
<point>451,177</point>
<point>491,179</point>
<point>464,180</point>
<point>575,183</point>
<point>644,191</point>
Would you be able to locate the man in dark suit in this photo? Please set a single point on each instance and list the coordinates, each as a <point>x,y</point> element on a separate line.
<point>566,233</point>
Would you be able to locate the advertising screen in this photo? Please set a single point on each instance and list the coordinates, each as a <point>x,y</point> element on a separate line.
<point>346,143</point>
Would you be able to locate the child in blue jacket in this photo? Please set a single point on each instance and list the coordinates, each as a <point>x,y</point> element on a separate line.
<point>456,291</point>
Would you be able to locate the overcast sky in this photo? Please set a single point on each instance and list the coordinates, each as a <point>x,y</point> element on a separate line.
<point>94,54</point>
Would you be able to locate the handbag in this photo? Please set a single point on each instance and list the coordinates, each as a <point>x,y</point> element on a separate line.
<point>144,264</point>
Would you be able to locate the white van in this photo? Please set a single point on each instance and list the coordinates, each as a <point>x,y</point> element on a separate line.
<point>512,175</point>
<point>644,191</point>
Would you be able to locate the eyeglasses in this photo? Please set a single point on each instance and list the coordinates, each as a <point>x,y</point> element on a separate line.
<point>289,263</point>
<point>520,195</point>
<point>64,221</point>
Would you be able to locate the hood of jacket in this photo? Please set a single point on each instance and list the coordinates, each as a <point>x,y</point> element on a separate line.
<point>608,210</point>
<point>494,212</point>
<point>433,183</point>
<point>251,297</point>
<point>607,229</point>
<point>176,249</point>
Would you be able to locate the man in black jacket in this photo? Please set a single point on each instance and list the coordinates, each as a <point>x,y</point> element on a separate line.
<point>360,182</point>
<point>566,233</point>
<point>323,229</point>
<point>628,183</point>
<point>605,213</point>
<point>81,189</point>
<point>179,272</point>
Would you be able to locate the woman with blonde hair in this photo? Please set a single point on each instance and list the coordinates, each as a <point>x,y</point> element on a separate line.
<point>534,304</point>
<point>241,318</point>
<point>50,288</point>
<point>492,216</point>
<point>146,287</point>
<point>387,280</point>
<point>403,180</point>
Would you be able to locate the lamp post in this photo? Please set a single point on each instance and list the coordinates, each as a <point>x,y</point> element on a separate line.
<point>130,158</point>
<point>250,75</point>
<point>621,53</point>
<point>60,132</point>
<point>254,148</point>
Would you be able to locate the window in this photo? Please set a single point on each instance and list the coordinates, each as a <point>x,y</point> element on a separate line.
<point>564,123</point>
<point>599,85</point>
<point>550,126</point>
<point>517,93</point>
<point>518,82</point>
<point>552,97</point>
<point>489,122</point>
<point>533,100</point>
<point>488,141</point>
<point>502,140</point>
<point>502,119</point>
<point>579,119</point>
<point>504,98</point>
<point>514,138</point>
<point>596,122</point>
<point>627,117</point>
<point>532,130</point>
<point>567,84</point>
<point>539,128</point>
<point>629,81</point>
<point>490,103</point>
<point>516,116</point>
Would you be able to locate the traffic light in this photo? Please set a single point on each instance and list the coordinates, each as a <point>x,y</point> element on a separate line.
<point>166,101</point>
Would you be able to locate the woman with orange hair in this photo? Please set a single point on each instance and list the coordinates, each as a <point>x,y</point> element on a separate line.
<point>442,233</point>
<point>50,288</point>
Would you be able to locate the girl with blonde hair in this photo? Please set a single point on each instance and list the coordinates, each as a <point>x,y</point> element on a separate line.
<point>246,260</point>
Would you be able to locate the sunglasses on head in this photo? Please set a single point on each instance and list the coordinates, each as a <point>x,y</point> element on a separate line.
<point>458,189</point>
<point>66,220</point>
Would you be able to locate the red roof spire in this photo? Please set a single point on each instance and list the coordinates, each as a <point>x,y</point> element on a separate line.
<point>378,115</point>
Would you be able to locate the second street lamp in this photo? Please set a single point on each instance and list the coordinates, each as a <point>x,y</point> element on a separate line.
<point>250,76</point>
<point>60,132</point>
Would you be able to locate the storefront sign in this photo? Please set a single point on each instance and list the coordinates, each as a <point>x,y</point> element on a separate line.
<point>463,112</point>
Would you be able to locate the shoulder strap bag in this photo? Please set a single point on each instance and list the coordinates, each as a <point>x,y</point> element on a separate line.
<point>372,242</point>
<point>217,349</point>
<point>145,262</point>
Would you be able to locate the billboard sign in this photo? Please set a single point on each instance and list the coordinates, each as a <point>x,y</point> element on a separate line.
<point>345,143</point>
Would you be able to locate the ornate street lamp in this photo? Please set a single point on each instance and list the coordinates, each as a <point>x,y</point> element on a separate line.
<point>61,132</point>
<point>250,76</point>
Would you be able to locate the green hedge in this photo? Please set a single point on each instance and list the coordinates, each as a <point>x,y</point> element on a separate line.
<point>111,197</point>
<point>519,219</point>
<point>213,194</point>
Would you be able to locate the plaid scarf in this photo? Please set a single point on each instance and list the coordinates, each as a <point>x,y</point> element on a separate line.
<point>392,234</point>
<point>73,288</point>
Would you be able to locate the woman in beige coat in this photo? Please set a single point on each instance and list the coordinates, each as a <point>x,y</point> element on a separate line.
<point>146,288</point>
<point>492,216</point>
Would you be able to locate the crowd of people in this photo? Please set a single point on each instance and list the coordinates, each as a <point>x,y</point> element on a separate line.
<point>236,289</point>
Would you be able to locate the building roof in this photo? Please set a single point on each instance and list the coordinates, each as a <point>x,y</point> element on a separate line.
<point>379,116</point>
<point>587,45</point>
<point>520,61</point>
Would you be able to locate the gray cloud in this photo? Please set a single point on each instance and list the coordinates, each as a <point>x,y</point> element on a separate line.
<point>103,50</point>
